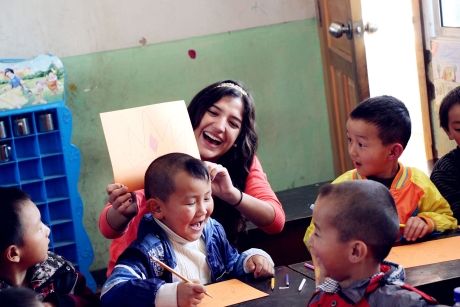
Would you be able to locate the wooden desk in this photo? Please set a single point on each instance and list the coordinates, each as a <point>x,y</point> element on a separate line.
<point>437,280</point>
<point>286,247</point>
<point>281,297</point>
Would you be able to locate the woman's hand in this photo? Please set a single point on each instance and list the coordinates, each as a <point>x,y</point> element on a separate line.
<point>123,202</point>
<point>221,183</point>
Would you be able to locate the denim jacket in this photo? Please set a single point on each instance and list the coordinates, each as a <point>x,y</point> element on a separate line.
<point>136,278</point>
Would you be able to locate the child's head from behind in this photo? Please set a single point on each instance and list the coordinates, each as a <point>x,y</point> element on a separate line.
<point>19,297</point>
<point>355,221</point>
<point>378,130</point>
<point>24,240</point>
<point>449,114</point>
<point>178,192</point>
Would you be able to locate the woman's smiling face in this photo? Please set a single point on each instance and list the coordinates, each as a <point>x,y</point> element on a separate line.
<point>219,128</point>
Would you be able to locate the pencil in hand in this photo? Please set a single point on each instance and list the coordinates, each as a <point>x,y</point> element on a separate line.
<point>170,269</point>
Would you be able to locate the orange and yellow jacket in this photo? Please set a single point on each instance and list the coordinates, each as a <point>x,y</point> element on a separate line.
<point>414,195</point>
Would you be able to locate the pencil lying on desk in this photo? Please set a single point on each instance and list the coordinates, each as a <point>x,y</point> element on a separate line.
<point>170,269</point>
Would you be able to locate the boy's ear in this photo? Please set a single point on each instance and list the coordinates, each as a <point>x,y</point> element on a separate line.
<point>358,251</point>
<point>154,205</point>
<point>12,254</point>
<point>396,151</point>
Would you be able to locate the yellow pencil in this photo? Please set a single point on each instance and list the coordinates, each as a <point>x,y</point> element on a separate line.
<point>273,283</point>
<point>170,269</point>
<point>402,225</point>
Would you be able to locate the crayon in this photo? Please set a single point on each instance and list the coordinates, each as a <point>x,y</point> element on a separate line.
<point>165,266</point>
<point>302,283</point>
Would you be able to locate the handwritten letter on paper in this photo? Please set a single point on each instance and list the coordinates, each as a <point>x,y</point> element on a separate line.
<point>136,136</point>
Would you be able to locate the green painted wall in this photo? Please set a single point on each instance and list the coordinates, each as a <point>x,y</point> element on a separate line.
<point>281,65</point>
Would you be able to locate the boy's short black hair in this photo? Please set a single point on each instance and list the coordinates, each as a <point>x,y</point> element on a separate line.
<point>11,232</point>
<point>366,211</point>
<point>389,114</point>
<point>160,175</point>
<point>452,98</point>
<point>19,297</point>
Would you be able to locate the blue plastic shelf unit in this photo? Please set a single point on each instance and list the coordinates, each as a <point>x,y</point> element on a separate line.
<point>43,162</point>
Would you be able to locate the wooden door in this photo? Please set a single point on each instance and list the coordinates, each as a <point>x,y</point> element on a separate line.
<point>344,66</point>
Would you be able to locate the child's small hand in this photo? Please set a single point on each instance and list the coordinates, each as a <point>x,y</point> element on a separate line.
<point>189,294</point>
<point>415,228</point>
<point>260,265</point>
<point>122,201</point>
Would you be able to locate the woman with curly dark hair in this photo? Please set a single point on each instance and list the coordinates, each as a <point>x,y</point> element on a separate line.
<point>223,120</point>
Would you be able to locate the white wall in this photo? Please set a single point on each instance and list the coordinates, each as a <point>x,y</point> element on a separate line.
<point>66,28</point>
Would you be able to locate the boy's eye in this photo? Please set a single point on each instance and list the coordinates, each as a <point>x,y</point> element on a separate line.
<point>213,113</point>
<point>191,203</point>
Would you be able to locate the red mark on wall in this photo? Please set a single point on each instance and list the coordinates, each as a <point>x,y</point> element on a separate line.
<point>143,41</point>
<point>192,53</point>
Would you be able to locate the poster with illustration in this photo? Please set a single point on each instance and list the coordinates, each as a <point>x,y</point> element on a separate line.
<point>31,82</point>
<point>136,136</point>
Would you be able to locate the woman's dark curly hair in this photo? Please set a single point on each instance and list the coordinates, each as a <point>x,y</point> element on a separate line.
<point>238,159</point>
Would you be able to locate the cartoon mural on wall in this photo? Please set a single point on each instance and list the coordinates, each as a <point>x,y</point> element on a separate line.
<point>30,82</point>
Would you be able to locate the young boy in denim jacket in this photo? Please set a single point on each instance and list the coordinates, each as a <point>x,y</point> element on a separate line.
<point>179,232</point>
<point>378,130</point>
<point>356,224</point>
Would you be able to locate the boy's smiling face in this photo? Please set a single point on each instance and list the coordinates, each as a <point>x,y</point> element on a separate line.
<point>370,157</point>
<point>35,235</point>
<point>188,208</point>
<point>454,123</point>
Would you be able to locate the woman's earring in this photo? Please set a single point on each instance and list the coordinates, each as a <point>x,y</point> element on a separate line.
<point>234,145</point>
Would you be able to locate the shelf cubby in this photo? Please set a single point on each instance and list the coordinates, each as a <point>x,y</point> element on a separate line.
<point>30,170</point>
<point>53,165</point>
<point>68,251</point>
<point>50,143</point>
<point>56,188</point>
<point>26,147</point>
<point>60,211</point>
<point>9,174</point>
<point>36,190</point>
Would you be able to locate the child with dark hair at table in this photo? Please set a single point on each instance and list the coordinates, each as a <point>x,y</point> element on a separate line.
<point>20,297</point>
<point>180,233</point>
<point>378,130</point>
<point>356,224</point>
<point>25,260</point>
<point>446,171</point>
